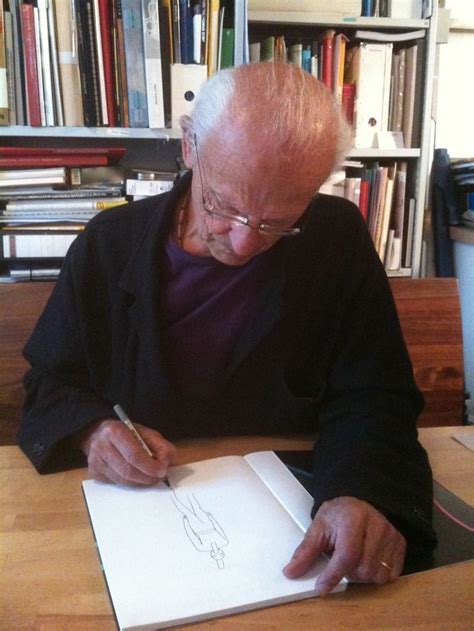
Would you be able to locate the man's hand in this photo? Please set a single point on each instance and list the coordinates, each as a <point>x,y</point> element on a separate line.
<point>114,454</point>
<point>365,547</point>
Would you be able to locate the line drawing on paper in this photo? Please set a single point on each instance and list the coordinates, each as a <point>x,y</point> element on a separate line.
<point>201,528</point>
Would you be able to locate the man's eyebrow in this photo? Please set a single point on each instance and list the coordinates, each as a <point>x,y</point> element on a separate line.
<point>275,222</point>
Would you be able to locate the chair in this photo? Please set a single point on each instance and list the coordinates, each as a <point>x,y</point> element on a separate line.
<point>429,313</point>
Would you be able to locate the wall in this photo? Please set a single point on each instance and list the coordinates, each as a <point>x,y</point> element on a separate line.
<point>454,116</point>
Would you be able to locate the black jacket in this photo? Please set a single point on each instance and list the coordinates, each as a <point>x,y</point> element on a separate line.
<point>326,355</point>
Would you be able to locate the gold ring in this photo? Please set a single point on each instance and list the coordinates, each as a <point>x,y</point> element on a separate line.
<point>389,567</point>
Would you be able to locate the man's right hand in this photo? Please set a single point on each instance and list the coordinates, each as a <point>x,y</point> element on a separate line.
<point>115,455</point>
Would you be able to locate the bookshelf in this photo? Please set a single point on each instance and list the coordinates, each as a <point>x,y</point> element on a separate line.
<point>419,158</point>
<point>162,144</point>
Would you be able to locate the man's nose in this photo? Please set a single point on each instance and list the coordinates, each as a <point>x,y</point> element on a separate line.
<point>245,241</point>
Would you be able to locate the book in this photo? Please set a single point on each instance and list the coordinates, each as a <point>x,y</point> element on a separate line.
<point>380,36</point>
<point>135,63</point>
<point>153,68</point>
<point>10,62</point>
<point>36,245</point>
<point>104,114</point>
<point>45,61</point>
<point>409,92</point>
<point>68,60</point>
<point>213,544</point>
<point>53,46</point>
<point>369,67</point>
<point>4,116</point>
<point>30,62</point>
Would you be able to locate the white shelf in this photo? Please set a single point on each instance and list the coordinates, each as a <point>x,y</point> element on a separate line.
<point>88,132</point>
<point>330,19</point>
<point>384,153</point>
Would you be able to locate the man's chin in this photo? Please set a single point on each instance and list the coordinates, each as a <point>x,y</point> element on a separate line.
<point>228,257</point>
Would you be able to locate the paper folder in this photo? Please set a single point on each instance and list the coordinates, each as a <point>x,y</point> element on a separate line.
<point>186,81</point>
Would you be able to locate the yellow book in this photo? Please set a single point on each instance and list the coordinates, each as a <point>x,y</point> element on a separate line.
<point>213,36</point>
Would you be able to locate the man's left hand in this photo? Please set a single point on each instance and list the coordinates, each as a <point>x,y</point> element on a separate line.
<point>363,544</point>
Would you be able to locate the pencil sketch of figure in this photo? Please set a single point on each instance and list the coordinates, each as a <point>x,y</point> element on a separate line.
<point>204,532</point>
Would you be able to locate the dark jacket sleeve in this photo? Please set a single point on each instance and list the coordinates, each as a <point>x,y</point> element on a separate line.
<point>59,398</point>
<point>368,445</point>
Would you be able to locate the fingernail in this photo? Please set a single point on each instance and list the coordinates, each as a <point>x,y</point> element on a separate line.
<point>321,588</point>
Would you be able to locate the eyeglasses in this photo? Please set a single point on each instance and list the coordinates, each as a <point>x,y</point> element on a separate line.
<point>210,206</point>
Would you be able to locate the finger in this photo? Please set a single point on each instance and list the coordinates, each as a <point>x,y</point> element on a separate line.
<point>109,474</point>
<point>106,460</point>
<point>345,557</point>
<point>133,455</point>
<point>164,451</point>
<point>313,544</point>
<point>375,545</point>
<point>128,466</point>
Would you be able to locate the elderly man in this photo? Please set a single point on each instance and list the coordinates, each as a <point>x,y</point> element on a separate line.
<point>242,303</point>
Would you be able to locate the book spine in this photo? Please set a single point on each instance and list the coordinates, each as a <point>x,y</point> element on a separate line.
<point>186,32</point>
<point>59,160</point>
<point>153,73</point>
<point>38,173</point>
<point>39,65</point>
<point>327,48</point>
<point>67,206</point>
<point>4,117</point>
<point>120,64</point>
<point>166,51</point>
<point>46,62</point>
<point>94,63</point>
<point>68,61</point>
<point>135,63</point>
<point>31,70</point>
<point>53,46</point>
<point>97,35</point>
<point>37,246</point>
<point>176,35</point>
<point>20,96</point>
<point>10,59</point>
<point>108,57</point>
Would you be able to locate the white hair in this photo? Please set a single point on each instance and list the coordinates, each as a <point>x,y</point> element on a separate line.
<point>294,110</point>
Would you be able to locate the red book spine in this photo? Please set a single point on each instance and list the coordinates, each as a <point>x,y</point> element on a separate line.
<point>31,67</point>
<point>115,153</point>
<point>327,45</point>
<point>107,53</point>
<point>364,198</point>
<point>26,162</point>
<point>348,100</point>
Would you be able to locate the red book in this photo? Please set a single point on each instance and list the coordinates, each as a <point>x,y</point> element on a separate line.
<point>108,55</point>
<point>111,153</point>
<point>364,198</point>
<point>327,46</point>
<point>31,66</point>
<point>348,100</point>
<point>26,162</point>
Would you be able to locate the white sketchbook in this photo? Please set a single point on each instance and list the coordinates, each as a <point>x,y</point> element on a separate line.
<point>213,544</point>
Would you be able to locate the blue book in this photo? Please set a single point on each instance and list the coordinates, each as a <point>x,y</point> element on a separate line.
<point>135,63</point>
<point>367,8</point>
<point>306,59</point>
<point>186,31</point>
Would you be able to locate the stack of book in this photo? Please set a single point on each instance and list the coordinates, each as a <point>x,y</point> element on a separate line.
<point>462,171</point>
<point>374,80</point>
<point>379,190</point>
<point>42,208</point>
<point>107,62</point>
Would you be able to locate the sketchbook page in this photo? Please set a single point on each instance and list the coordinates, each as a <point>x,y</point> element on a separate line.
<point>284,486</point>
<point>466,439</point>
<point>215,544</point>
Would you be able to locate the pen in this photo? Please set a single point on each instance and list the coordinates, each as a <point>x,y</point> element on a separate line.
<point>126,421</point>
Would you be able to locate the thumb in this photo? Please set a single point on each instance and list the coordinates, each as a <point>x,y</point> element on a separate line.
<point>313,544</point>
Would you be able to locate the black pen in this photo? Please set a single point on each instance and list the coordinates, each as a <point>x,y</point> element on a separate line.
<point>128,423</point>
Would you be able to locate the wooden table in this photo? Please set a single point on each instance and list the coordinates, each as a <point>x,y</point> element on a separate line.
<point>50,578</point>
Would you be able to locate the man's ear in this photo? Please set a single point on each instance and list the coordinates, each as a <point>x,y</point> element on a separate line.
<point>187,140</point>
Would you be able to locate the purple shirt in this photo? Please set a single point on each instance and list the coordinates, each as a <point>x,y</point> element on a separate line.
<point>205,307</point>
